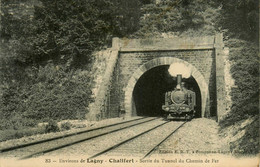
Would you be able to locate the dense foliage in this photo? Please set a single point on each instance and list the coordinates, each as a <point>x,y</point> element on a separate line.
<point>49,92</point>
<point>179,17</point>
<point>67,31</point>
<point>240,19</point>
<point>245,72</point>
<point>46,57</point>
<point>240,25</point>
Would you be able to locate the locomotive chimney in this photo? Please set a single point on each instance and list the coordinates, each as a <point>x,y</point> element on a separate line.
<point>179,78</point>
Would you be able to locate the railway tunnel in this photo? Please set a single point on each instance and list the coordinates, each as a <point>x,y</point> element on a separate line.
<point>148,93</point>
<point>137,76</point>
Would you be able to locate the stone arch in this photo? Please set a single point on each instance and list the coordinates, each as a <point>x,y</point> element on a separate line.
<point>128,100</point>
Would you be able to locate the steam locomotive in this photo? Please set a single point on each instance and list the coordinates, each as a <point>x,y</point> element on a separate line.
<point>180,103</point>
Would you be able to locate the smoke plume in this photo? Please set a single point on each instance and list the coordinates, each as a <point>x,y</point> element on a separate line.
<point>179,68</point>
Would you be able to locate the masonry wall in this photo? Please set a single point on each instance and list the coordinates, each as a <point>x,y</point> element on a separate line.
<point>127,63</point>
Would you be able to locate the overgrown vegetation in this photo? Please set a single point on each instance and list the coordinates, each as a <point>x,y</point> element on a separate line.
<point>66,126</point>
<point>14,134</point>
<point>52,126</point>
<point>46,60</point>
<point>240,26</point>
<point>179,18</point>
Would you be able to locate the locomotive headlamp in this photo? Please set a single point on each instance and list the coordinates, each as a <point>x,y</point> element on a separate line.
<point>167,108</point>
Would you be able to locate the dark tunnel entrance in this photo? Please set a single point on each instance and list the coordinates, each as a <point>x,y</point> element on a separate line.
<point>149,91</point>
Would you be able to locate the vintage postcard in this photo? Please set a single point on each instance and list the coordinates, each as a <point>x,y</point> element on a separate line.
<point>129,83</point>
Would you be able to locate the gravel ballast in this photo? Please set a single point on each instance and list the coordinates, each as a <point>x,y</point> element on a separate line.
<point>94,146</point>
<point>87,124</point>
<point>197,137</point>
<point>197,143</point>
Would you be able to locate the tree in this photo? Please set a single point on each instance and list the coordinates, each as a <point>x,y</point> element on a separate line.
<point>240,18</point>
<point>68,31</point>
<point>126,17</point>
<point>179,17</point>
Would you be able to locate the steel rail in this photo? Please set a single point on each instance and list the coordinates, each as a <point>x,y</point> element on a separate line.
<point>63,136</point>
<point>82,140</point>
<point>156,147</point>
<point>125,141</point>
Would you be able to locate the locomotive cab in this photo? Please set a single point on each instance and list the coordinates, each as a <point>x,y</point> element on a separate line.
<point>180,103</point>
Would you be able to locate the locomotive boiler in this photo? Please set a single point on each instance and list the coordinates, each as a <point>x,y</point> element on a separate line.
<point>180,102</point>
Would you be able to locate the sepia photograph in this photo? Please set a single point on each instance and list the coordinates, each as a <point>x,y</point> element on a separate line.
<point>129,83</point>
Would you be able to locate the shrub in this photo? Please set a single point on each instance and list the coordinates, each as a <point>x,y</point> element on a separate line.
<point>52,126</point>
<point>49,92</point>
<point>245,96</point>
<point>66,126</point>
<point>245,70</point>
<point>15,134</point>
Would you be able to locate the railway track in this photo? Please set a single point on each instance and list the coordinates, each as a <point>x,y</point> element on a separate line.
<point>162,141</point>
<point>148,153</point>
<point>55,143</point>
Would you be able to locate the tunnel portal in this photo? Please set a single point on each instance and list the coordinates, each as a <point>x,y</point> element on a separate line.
<point>148,94</point>
<point>136,75</point>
